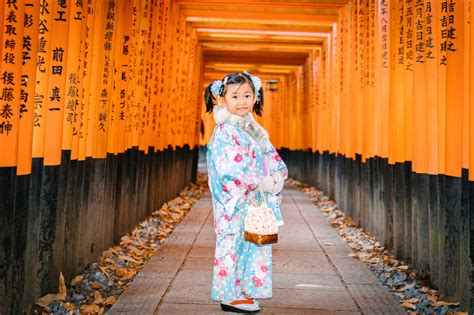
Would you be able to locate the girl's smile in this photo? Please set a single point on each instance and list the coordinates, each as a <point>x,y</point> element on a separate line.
<point>239,99</point>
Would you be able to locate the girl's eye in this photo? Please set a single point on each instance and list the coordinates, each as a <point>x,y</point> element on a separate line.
<point>248,96</point>
<point>234,97</point>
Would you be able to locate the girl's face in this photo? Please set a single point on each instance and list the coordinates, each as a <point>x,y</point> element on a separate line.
<point>239,99</point>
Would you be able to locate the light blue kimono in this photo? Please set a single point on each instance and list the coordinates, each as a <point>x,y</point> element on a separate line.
<point>236,166</point>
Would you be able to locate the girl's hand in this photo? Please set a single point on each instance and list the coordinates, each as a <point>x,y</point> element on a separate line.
<point>267,184</point>
<point>278,182</point>
<point>272,184</point>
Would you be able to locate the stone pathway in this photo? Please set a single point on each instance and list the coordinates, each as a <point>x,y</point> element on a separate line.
<point>312,272</point>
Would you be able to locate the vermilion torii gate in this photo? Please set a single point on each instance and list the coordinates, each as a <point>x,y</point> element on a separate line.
<point>100,115</point>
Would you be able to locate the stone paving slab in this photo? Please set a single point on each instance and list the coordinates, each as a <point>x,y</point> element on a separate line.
<point>312,272</point>
<point>179,309</point>
<point>381,302</point>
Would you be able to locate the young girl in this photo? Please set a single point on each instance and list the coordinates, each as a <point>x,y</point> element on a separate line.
<point>241,161</point>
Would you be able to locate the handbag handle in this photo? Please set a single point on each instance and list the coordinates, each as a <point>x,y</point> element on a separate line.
<point>262,197</point>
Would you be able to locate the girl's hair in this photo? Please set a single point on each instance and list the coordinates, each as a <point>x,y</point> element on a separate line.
<point>233,78</point>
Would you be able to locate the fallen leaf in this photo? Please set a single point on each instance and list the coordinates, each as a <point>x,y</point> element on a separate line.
<point>110,300</point>
<point>124,273</point>
<point>91,308</point>
<point>76,280</point>
<point>413,300</point>
<point>48,298</point>
<point>96,285</point>
<point>408,305</point>
<point>443,303</point>
<point>402,267</point>
<point>109,260</point>
<point>44,301</point>
<point>69,306</point>
<point>130,259</point>
<point>62,285</point>
<point>432,298</point>
<point>98,299</point>
<point>406,287</point>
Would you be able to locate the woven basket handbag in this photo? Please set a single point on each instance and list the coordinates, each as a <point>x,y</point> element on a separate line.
<point>260,224</point>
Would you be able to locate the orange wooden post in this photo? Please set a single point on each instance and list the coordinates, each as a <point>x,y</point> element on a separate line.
<point>466,26</point>
<point>2,25</point>
<point>399,131</point>
<point>454,87</point>
<point>344,82</point>
<point>27,104</point>
<point>361,50</point>
<point>471,99</point>
<point>432,98</point>
<point>150,82</point>
<point>122,75</point>
<point>85,107</point>
<point>324,114</point>
<point>420,136</point>
<point>56,83</point>
<point>333,100</point>
<point>114,77</point>
<point>409,50</point>
<point>383,66</point>
<point>369,83</point>
<point>42,73</point>
<point>93,127</point>
<point>103,93</point>
<point>10,79</point>
<point>442,28</point>
<point>141,102</point>
<point>164,67</point>
<point>318,102</point>
<point>134,119</point>
<point>73,90</point>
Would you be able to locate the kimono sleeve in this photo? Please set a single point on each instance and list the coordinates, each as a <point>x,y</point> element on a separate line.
<point>275,162</point>
<point>237,169</point>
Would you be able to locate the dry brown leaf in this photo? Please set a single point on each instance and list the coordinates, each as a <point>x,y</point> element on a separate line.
<point>443,303</point>
<point>126,240</point>
<point>109,260</point>
<point>124,273</point>
<point>96,285</point>
<point>44,301</point>
<point>408,305</point>
<point>432,298</point>
<point>406,287</point>
<point>130,259</point>
<point>374,260</point>
<point>413,300</point>
<point>110,300</point>
<point>104,270</point>
<point>61,296</point>
<point>98,299</point>
<point>91,308</point>
<point>400,295</point>
<point>62,285</point>
<point>111,251</point>
<point>364,256</point>
<point>402,267</point>
<point>69,306</point>
<point>76,280</point>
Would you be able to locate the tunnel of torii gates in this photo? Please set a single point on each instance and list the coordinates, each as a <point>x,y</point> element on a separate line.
<point>101,118</point>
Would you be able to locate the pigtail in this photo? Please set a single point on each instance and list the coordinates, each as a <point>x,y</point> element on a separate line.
<point>209,99</point>
<point>258,105</point>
